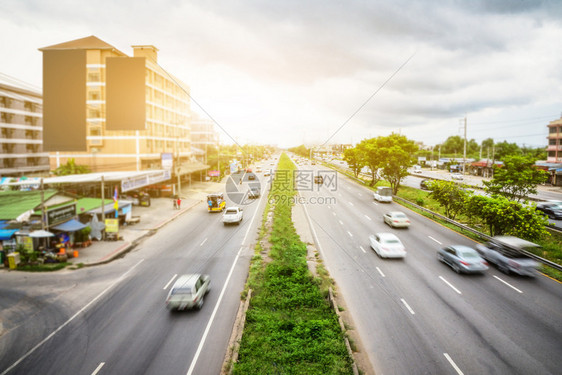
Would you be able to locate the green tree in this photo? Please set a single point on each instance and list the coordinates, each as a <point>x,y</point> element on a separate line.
<point>301,150</point>
<point>450,196</point>
<point>506,217</point>
<point>354,158</point>
<point>504,149</point>
<point>397,153</point>
<point>516,179</point>
<point>71,168</point>
<point>453,145</point>
<point>372,157</point>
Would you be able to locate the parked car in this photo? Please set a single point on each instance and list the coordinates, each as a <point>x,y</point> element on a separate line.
<point>383,194</point>
<point>254,192</point>
<point>462,259</point>
<point>188,292</point>
<point>506,253</point>
<point>552,209</point>
<point>424,184</point>
<point>387,245</point>
<point>396,219</point>
<point>457,176</point>
<point>232,215</point>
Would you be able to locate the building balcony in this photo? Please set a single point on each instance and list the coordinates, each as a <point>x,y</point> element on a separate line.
<point>554,148</point>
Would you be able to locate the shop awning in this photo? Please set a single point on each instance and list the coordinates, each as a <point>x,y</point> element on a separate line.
<point>6,234</point>
<point>70,226</point>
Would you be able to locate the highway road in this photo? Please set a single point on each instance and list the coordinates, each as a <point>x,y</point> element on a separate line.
<point>416,316</point>
<point>112,319</point>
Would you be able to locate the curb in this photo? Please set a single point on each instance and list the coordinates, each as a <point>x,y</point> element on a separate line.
<point>128,246</point>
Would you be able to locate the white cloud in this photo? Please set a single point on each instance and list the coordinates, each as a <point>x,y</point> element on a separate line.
<point>284,72</point>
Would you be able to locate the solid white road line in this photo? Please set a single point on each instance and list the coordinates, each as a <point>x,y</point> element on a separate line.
<point>431,238</point>
<point>509,285</point>
<point>382,274</point>
<point>407,306</point>
<point>201,244</point>
<point>169,282</point>
<point>341,222</point>
<point>451,285</point>
<point>361,247</point>
<point>351,204</point>
<point>350,235</point>
<point>334,213</point>
<point>98,368</point>
<point>375,203</point>
<point>457,369</point>
<point>71,318</point>
<point>210,323</point>
<point>360,194</point>
<point>368,218</point>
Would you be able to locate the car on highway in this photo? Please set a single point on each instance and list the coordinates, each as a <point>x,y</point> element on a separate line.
<point>456,176</point>
<point>506,252</point>
<point>396,219</point>
<point>251,176</point>
<point>267,173</point>
<point>552,209</point>
<point>425,184</point>
<point>387,245</point>
<point>462,259</point>
<point>383,194</point>
<point>232,215</point>
<point>417,169</point>
<point>188,292</point>
<point>258,170</point>
<point>254,192</point>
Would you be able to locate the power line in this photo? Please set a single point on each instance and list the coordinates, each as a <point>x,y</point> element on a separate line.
<point>527,120</point>
<point>370,97</point>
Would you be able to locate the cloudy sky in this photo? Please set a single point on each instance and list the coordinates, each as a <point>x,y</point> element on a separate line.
<point>291,72</point>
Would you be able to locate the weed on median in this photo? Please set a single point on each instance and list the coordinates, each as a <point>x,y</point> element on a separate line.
<point>290,326</point>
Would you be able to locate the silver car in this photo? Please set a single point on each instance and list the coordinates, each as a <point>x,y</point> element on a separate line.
<point>462,259</point>
<point>396,219</point>
<point>188,292</point>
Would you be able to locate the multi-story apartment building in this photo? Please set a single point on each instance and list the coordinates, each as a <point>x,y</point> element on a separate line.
<point>82,67</point>
<point>203,135</point>
<point>554,147</point>
<point>21,129</point>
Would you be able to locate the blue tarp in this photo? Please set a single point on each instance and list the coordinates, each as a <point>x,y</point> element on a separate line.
<point>70,226</point>
<point>6,234</point>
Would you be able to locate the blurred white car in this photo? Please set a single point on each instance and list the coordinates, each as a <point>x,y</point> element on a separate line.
<point>387,245</point>
<point>188,292</point>
<point>456,176</point>
<point>396,219</point>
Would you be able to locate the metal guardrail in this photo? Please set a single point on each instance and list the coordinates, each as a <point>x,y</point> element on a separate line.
<point>547,262</point>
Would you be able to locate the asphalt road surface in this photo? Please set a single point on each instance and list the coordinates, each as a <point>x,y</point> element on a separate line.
<point>416,316</point>
<point>112,319</point>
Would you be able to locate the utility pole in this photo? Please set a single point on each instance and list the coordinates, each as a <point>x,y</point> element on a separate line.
<point>42,205</point>
<point>103,203</point>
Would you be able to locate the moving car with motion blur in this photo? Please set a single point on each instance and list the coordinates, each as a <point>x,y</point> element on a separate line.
<point>396,219</point>
<point>507,253</point>
<point>387,245</point>
<point>188,292</point>
<point>552,209</point>
<point>462,259</point>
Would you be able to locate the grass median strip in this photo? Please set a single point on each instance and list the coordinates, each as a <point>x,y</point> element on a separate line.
<point>290,325</point>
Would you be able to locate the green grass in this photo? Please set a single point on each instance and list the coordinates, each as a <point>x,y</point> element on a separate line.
<point>290,326</point>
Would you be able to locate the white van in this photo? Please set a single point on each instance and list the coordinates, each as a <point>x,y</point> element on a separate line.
<point>383,194</point>
<point>417,169</point>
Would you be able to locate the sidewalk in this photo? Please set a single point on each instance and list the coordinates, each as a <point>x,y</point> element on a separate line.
<point>152,218</point>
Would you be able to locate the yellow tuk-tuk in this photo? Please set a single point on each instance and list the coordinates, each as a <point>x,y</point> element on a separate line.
<point>215,202</point>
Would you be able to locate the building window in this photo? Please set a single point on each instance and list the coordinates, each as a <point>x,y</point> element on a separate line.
<point>94,77</point>
<point>553,129</point>
<point>93,113</point>
<point>94,95</point>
